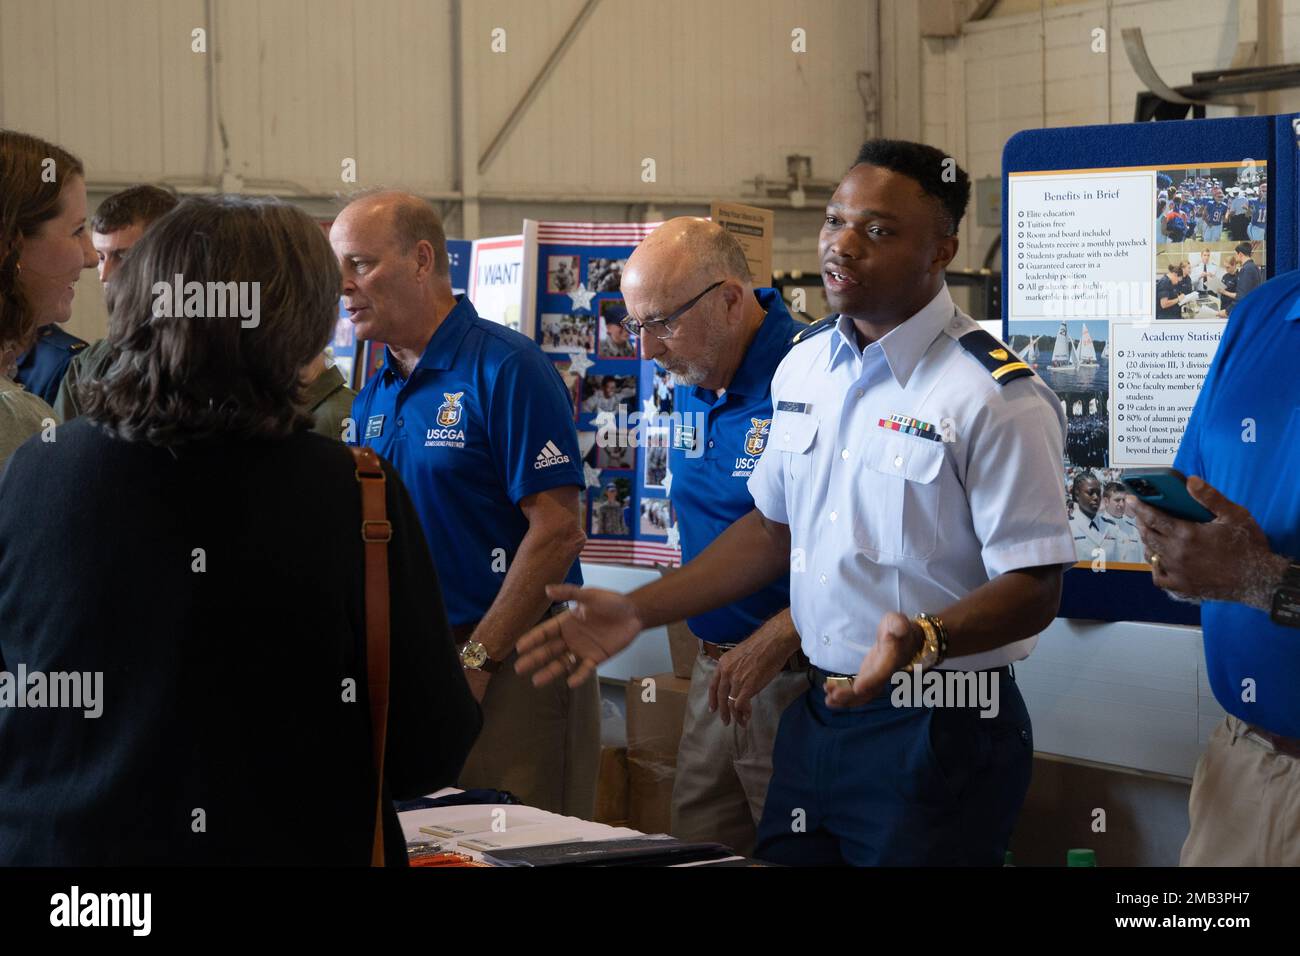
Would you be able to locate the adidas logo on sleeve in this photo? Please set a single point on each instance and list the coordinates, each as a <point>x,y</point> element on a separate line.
<point>550,455</point>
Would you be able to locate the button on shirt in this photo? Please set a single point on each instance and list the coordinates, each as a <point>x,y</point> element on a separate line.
<point>710,490</point>
<point>1252,379</point>
<point>484,421</point>
<point>914,517</point>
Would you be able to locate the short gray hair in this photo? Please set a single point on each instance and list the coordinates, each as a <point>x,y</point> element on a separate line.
<point>718,254</point>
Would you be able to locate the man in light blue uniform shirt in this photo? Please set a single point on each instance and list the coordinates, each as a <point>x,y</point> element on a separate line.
<point>1242,458</point>
<point>689,297</point>
<point>912,482</point>
<point>480,426</point>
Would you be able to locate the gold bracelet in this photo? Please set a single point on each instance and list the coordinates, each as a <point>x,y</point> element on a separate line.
<point>928,655</point>
<point>941,632</point>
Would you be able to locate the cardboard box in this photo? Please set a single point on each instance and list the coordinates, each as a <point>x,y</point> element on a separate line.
<point>612,787</point>
<point>753,228</point>
<point>683,645</point>
<point>656,710</point>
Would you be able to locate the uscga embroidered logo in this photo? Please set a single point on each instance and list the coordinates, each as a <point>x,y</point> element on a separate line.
<point>756,437</point>
<point>449,411</point>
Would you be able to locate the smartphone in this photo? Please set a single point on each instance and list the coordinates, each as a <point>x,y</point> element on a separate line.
<point>1166,489</point>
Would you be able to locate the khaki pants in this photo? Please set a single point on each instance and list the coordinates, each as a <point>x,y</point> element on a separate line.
<point>540,743</point>
<point>723,772</point>
<point>1245,803</point>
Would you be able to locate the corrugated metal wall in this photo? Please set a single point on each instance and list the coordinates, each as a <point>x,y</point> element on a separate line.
<point>709,89</point>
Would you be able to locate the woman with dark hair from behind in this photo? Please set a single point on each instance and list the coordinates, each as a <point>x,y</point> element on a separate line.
<point>212,544</point>
<point>44,245</point>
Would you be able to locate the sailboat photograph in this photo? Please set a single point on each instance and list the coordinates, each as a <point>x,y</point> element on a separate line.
<point>1074,360</point>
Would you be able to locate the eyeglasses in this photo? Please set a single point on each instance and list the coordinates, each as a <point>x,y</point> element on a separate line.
<point>660,328</point>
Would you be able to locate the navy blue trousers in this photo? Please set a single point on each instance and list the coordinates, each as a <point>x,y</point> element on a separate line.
<point>879,785</point>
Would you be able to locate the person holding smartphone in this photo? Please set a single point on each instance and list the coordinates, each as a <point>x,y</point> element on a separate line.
<point>1240,451</point>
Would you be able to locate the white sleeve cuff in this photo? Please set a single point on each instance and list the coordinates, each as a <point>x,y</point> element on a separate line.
<point>1057,549</point>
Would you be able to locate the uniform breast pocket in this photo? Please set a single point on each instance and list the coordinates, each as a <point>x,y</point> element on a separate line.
<point>794,436</point>
<point>896,500</point>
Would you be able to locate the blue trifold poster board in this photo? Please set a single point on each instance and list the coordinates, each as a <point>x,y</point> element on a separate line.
<point>1122,247</point>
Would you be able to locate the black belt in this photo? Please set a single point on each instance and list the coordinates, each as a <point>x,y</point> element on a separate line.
<point>818,677</point>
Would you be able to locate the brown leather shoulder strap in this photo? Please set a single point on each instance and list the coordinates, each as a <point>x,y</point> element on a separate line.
<point>376,532</point>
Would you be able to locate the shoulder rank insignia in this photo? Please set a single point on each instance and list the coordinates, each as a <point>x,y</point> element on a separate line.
<point>808,331</point>
<point>994,356</point>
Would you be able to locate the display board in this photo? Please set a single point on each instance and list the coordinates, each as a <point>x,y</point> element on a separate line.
<point>459,252</point>
<point>496,279</point>
<point>342,348</point>
<point>576,305</point>
<point>1121,263</point>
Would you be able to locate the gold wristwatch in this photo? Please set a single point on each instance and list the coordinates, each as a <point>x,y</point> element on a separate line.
<point>474,657</point>
<point>935,646</point>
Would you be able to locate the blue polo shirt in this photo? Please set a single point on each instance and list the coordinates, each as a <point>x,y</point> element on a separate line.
<point>484,421</point>
<point>1253,377</point>
<point>711,491</point>
<point>42,367</point>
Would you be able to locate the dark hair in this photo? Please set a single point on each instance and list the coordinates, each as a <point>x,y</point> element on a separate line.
<point>1081,477</point>
<point>142,204</point>
<point>29,196</point>
<point>177,379</point>
<point>1245,248</point>
<point>929,167</point>
<point>1111,487</point>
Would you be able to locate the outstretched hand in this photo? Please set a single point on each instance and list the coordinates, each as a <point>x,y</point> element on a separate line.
<point>598,625</point>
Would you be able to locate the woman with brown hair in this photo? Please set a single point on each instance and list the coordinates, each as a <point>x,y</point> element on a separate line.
<point>44,245</point>
<point>211,546</point>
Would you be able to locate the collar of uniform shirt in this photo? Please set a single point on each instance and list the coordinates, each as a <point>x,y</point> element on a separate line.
<point>440,353</point>
<point>322,386</point>
<point>905,343</point>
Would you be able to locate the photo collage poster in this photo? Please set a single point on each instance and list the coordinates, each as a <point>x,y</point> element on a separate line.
<point>579,325</point>
<point>1119,285</point>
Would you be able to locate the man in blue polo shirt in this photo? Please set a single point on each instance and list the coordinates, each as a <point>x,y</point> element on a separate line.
<point>688,294</point>
<point>480,426</point>
<point>1242,459</point>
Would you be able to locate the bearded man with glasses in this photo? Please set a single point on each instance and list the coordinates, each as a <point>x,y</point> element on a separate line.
<point>721,347</point>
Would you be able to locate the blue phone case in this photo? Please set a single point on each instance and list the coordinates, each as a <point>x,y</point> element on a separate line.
<point>1170,495</point>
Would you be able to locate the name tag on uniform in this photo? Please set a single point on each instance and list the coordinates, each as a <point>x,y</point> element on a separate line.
<point>684,438</point>
<point>374,426</point>
<point>801,407</point>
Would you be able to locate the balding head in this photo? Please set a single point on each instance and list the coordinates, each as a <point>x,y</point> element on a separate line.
<point>684,259</point>
<point>392,252</point>
<point>689,251</point>
<point>408,219</point>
